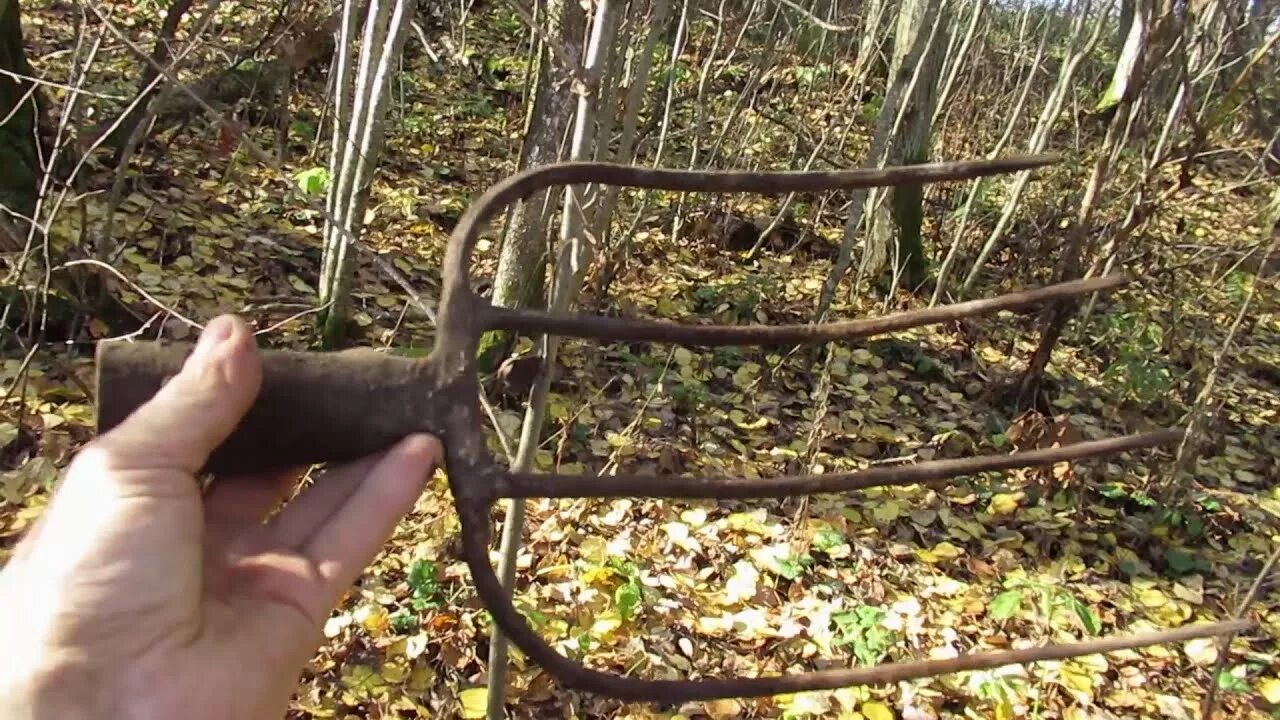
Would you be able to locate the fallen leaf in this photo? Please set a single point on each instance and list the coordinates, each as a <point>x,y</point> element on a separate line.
<point>1270,689</point>
<point>1003,504</point>
<point>1201,651</point>
<point>876,711</point>
<point>475,702</point>
<point>8,432</point>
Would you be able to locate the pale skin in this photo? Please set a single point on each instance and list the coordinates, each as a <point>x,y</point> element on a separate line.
<point>139,595</point>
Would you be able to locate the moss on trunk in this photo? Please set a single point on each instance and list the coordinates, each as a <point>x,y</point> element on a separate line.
<point>908,216</point>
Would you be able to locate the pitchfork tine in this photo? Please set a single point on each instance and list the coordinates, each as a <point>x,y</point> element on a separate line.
<point>475,548</point>
<point>623,329</point>
<point>531,485</point>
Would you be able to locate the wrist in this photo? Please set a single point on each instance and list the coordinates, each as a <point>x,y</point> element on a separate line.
<point>65,688</point>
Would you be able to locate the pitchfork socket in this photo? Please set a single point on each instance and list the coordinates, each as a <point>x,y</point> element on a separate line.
<point>336,407</point>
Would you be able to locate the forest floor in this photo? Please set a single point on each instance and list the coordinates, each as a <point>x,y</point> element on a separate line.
<point>662,589</point>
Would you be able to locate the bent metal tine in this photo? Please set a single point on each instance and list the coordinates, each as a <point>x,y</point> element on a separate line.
<point>579,677</point>
<point>462,242</point>
<point>331,407</point>
<point>626,329</point>
<point>540,485</point>
<point>474,504</point>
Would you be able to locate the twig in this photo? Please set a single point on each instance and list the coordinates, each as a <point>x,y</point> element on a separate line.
<point>1224,642</point>
<point>293,317</point>
<point>566,63</point>
<point>60,86</point>
<point>22,369</point>
<point>150,298</point>
<point>131,335</point>
<point>1186,448</point>
<point>817,20</point>
<point>266,159</point>
<point>502,434</point>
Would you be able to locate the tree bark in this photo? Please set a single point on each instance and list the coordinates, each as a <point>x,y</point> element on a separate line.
<point>20,114</point>
<point>361,142</point>
<point>1129,65</point>
<point>905,203</point>
<point>520,279</point>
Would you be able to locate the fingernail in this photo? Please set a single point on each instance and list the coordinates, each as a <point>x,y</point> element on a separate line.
<point>215,333</point>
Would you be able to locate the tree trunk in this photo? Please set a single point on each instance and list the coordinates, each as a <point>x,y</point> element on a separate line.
<point>1037,143</point>
<point>870,61</point>
<point>912,144</point>
<point>572,259</point>
<point>18,103</point>
<point>1128,9</point>
<point>1128,66</point>
<point>359,143</point>
<point>888,126</point>
<point>1071,263</point>
<point>520,279</point>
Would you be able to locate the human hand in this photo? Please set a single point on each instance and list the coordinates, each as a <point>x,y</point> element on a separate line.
<point>138,596</point>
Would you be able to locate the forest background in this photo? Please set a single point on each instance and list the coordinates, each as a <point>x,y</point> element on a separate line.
<point>162,162</point>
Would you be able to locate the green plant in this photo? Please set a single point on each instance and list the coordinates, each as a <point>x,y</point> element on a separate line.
<point>312,181</point>
<point>729,357</point>
<point>424,585</point>
<point>737,299</point>
<point>403,622</point>
<point>862,630</point>
<point>629,595</point>
<point>1237,285</point>
<point>1137,364</point>
<point>1001,690</point>
<point>1044,597</point>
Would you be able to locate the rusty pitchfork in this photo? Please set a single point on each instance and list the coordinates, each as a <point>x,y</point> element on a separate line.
<point>339,406</point>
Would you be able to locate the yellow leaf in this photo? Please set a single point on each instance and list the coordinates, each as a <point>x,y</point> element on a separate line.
<point>1152,597</point>
<point>374,619</point>
<point>394,672</point>
<point>694,517</point>
<point>334,625</point>
<point>947,550</point>
<point>725,708</point>
<point>876,711</point>
<point>808,704</point>
<point>421,677</point>
<point>604,625</point>
<point>475,702</point>
<point>1270,689</point>
<point>1077,682</point>
<point>1003,504</point>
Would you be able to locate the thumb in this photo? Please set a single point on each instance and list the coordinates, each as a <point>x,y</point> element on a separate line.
<point>195,411</point>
